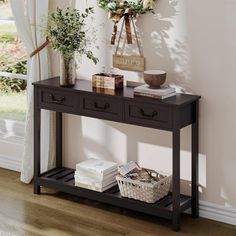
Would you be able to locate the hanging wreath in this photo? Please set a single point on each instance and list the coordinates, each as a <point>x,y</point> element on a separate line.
<point>121,8</point>
<point>138,6</point>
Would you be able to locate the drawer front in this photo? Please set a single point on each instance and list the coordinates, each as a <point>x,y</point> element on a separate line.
<point>102,107</point>
<point>143,114</point>
<point>57,100</point>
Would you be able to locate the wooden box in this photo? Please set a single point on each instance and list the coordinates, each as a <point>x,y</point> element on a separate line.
<point>108,81</point>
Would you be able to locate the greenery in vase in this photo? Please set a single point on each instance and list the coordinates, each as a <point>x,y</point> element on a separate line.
<point>67,33</point>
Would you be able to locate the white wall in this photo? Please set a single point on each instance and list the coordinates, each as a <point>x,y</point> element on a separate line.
<point>195,42</point>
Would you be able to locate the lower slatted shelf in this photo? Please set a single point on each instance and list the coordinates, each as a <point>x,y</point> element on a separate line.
<point>62,179</point>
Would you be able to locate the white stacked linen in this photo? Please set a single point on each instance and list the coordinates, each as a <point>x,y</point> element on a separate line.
<point>97,175</point>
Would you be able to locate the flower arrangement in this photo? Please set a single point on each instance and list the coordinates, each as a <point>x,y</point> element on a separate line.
<point>66,33</point>
<point>137,6</point>
<point>118,9</point>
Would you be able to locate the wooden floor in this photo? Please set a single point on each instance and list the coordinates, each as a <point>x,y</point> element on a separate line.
<point>23,213</point>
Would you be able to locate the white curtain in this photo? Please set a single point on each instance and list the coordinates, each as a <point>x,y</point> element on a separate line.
<point>29,16</point>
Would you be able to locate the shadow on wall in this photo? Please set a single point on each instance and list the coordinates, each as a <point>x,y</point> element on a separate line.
<point>163,44</point>
<point>211,39</point>
<point>101,28</point>
<point>152,149</point>
<point>164,48</point>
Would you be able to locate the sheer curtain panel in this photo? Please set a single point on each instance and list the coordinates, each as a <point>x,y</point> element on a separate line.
<point>30,16</point>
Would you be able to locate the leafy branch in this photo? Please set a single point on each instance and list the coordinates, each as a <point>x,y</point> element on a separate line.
<point>66,32</point>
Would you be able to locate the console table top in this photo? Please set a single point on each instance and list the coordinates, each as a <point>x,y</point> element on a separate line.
<point>127,92</point>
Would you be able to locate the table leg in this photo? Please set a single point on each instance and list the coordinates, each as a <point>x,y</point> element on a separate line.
<point>176,180</point>
<point>58,139</point>
<point>37,143</point>
<point>195,144</point>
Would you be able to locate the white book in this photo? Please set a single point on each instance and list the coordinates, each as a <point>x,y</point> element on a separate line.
<point>94,182</point>
<point>164,90</point>
<point>97,166</point>
<point>94,188</point>
<point>84,173</point>
<point>154,96</point>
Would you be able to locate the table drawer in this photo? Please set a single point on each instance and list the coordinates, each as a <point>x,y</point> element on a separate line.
<point>58,99</point>
<point>102,107</point>
<point>148,115</point>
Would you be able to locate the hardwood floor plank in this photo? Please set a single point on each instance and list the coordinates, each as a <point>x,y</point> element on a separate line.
<point>58,214</point>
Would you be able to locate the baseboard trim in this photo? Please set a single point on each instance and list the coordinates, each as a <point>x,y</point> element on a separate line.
<point>217,212</point>
<point>10,163</point>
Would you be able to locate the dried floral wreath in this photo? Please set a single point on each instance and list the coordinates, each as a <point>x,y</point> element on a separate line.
<point>138,6</point>
<point>125,8</point>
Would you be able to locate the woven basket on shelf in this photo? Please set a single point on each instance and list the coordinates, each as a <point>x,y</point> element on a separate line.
<point>146,192</point>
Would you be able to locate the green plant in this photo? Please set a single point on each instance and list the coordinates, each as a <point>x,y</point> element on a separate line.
<point>67,33</point>
<point>8,85</point>
<point>7,38</point>
<point>13,106</point>
<point>116,6</point>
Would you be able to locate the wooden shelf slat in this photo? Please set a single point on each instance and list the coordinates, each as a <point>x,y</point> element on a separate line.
<point>63,179</point>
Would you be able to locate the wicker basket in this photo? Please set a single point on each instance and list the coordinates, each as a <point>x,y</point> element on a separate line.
<point>146,192</point>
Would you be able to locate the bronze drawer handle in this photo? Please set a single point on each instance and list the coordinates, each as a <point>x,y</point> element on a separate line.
<point>106,106</point>
<point>153,114</point>
<point>57,100</point>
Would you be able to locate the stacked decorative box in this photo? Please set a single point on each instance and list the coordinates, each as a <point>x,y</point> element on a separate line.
<point>108,81</point>
<point>97,175</point>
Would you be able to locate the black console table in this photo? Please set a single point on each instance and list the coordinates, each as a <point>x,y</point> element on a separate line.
<point>170,114</point>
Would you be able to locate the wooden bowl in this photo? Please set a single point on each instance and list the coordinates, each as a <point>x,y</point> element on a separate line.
<point>154,78</point>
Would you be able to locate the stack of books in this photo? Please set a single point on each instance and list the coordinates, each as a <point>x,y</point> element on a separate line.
<point>159,93</point>
<point>97,175</point>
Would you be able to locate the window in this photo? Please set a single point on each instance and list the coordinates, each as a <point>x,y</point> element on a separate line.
<point>13,70</point>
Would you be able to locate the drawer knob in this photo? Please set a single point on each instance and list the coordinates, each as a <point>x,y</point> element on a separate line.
<point>104,107</point>
<point>58,100</point>
<point>153,114</point>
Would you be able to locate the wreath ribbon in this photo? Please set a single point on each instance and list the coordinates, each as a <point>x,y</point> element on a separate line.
<point>127,13</point>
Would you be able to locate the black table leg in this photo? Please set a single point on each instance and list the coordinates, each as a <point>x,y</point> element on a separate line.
<point>37,126</point>
<point>176,180</point>
<point>58,139</point>
<point>195,193</point>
